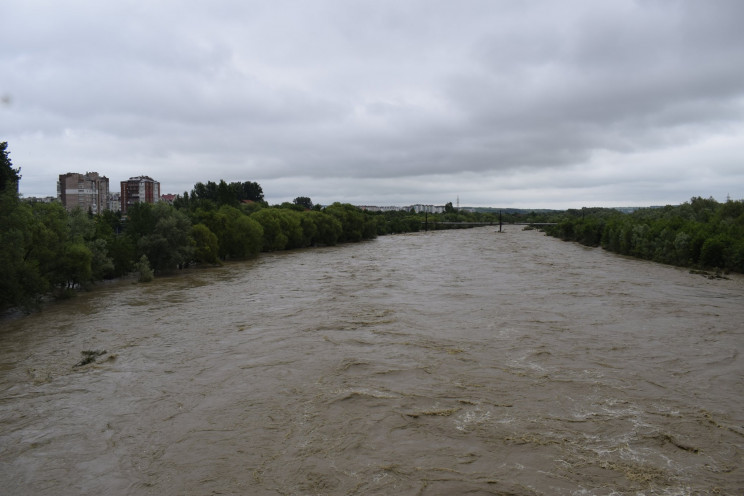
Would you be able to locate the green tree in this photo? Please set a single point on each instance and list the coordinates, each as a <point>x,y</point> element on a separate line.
<point>50,235</point>
<point>168,245</point>
<point>250,190</point>
<point>702,208</point>
<point>291,206</point>
<point>118,250</point>
<point>243,236</point>
<point>291,225</point>
<point>101,264</point>
<point>95,236</point>
<point>227,194</point>
<point>108,223</point>
<point>304,202</point>
<point>682,255</point>
<point>216,222</point>
<point>221,194</point>
<point>181,202</point>
<point>142,267</point>
<point>246,237</point>
<point>9,176</point>
<point>251,207</point>
<point>355,225</point>
<point>274,238</point>
<point>713,252</point>
<point>238,236</point>
<point>205,191</point>
<point>309,228</point>
<point>122,251</point>
<point>140,221</point>
<point>75,265</point>
<point>20,279</point>
<point>328,228</point>
<point>82,226</point>
<point>206,247</point>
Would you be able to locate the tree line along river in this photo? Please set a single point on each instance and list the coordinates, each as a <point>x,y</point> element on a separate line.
<point>446,362</point>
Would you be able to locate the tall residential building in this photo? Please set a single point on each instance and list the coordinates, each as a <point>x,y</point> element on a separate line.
<point>114,202</point>
<point>87,191</point>
<point>140,189</point>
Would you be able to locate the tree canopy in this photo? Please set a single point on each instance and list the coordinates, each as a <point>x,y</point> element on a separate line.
<point>303,201</point>
<point>9,176</point>
<point>223,193</point>
<point>699,233</point>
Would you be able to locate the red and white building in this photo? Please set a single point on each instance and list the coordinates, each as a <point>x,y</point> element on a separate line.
<point>140,189</point>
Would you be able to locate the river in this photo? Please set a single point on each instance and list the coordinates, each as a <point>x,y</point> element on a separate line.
<point>451,362</point>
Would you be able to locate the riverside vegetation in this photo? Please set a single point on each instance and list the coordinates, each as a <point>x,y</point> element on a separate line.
<point>46,250</point>
<point>701,234</point>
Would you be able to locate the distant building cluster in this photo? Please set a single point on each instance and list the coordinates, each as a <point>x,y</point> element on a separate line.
<point>418,208</point>
<point>90,192</point>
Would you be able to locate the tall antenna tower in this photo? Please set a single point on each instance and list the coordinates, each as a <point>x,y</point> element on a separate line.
<point>458,202</point>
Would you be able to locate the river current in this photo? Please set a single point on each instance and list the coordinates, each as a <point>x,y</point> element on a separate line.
<point>451,362</point>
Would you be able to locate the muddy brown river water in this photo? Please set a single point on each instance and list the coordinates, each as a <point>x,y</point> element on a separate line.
<point>457,362</point>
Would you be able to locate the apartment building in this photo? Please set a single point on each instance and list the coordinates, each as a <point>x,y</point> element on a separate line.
<point>140,189</point>
<point>88,191</point>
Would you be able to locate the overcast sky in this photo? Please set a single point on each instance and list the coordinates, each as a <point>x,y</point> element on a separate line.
<point>533,104</point>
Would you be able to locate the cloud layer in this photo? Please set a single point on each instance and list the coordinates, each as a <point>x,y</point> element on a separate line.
<point>502,103</point>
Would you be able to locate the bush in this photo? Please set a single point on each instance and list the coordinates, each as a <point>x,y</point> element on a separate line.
<point>143,268</point>
<point>712,254</point>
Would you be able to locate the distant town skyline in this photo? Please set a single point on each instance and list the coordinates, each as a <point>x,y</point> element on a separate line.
<point>513,104</point>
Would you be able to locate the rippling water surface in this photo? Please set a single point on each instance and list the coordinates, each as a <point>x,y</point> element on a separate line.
<point>434,363</point>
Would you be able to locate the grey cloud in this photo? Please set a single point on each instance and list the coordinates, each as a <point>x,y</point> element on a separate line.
<point>388,97</point>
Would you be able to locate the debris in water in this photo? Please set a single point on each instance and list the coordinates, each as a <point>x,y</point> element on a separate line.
<point>434,413</point>
<point>717,275</point>
<point>89,356</point>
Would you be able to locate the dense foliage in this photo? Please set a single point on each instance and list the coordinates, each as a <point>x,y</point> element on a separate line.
<point>8,175</point>
<point>46,250</point>
<point>700,233</point>
<point>49,251</point>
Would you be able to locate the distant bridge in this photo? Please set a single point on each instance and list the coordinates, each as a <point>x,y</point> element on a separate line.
<point>464,223</point>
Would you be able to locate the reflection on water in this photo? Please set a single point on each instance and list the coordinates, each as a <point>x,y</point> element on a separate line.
<point>432,363</point>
